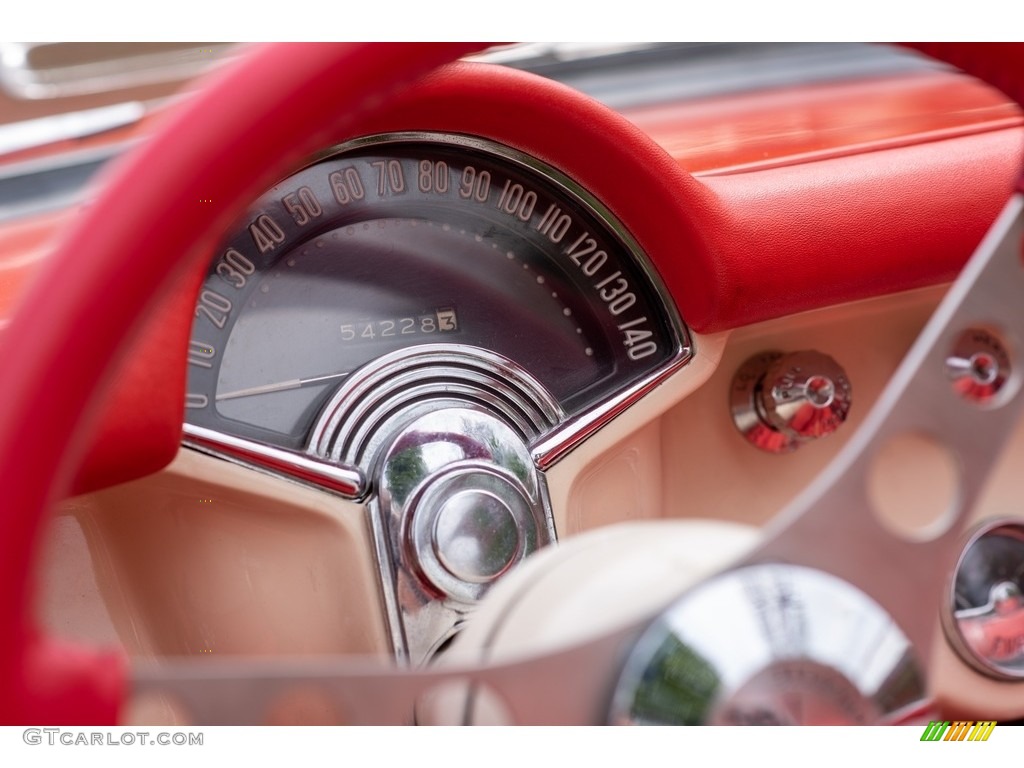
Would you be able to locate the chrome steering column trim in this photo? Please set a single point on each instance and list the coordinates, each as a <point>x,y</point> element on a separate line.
<point>442,431</point>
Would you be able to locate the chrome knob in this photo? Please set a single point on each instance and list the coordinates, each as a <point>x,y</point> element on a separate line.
<point>805,395</point>
<point>782,400</point>
<point>979,365</point>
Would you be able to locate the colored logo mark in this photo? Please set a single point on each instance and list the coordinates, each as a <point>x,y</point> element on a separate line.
<point>959,730</point>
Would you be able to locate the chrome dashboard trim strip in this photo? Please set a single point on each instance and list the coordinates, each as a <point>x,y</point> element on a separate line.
<point>52,70</point>
<point>348,482</point>
<point>550,448</point>
<point>43,131</point>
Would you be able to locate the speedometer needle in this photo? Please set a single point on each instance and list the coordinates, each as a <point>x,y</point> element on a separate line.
<point>279,386</point>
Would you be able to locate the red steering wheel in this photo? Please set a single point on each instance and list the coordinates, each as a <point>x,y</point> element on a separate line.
<point>146,227</point>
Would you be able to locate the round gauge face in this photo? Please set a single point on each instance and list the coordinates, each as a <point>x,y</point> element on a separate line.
<point>400,241</point>
<point>988,601</point>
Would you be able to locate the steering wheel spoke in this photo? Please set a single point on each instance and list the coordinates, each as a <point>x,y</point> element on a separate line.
<point>901,550</point>
<point>559,687</point>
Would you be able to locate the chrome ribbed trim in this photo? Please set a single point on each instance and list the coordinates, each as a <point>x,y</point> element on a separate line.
<point>354,420</point>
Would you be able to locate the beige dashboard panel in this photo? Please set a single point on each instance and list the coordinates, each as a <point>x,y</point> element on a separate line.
<point>210,558</point>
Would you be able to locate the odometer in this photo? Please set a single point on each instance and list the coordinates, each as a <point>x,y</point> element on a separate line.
<point>405,240</point>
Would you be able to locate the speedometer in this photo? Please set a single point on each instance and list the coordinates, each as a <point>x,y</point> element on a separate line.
<point>405,240</point>
<point>426,323</point>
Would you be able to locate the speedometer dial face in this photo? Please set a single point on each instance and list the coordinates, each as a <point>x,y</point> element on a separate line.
<point>407,240</point>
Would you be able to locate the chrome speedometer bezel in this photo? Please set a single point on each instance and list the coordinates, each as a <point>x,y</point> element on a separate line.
<point>550,447</point>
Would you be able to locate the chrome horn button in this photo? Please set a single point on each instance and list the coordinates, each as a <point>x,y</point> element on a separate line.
<point>461,503</point>
<point>770,644</point>
<point>468,520</point>
<point>476,536</point>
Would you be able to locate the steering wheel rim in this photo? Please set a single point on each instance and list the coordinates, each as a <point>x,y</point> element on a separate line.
<point>52,682</point>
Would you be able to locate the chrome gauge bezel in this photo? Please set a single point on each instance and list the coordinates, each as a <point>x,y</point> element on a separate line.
<point>550,447</point>
<point>954,635</point>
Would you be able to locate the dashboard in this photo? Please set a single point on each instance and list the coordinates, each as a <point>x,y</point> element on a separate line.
<point>430,370</point>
